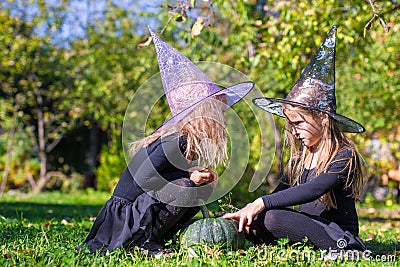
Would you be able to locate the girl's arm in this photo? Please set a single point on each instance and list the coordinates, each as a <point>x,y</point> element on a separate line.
<point>167,154</point>
<point>283,184</point>
<point>292,196</point>
<point>299,194</point>
<point>302,193</point>
<point>313,189</point>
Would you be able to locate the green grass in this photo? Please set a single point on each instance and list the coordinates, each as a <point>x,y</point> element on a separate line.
<point>43,230</point>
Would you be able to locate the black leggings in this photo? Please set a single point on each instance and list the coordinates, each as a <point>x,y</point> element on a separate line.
<point>270,225</point>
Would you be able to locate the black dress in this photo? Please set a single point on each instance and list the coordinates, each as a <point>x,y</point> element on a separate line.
<point>323,227</point>
<point>135,214</point>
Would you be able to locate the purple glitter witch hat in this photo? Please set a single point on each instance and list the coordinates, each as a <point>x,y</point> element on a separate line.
<point>315,89</point>
<point>186,86</point>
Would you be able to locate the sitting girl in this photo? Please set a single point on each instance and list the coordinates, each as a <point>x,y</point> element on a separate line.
<point>158,191</point>
<point>323,175</point>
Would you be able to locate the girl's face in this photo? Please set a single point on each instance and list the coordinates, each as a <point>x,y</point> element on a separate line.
<point>305,127</point>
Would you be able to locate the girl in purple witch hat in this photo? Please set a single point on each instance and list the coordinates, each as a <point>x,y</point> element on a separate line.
<point>323,175</point>
<point>170,170</point>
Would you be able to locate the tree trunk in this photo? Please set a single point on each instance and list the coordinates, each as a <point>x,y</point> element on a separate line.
<point>41,184</point>
<point>42,146</point>
<point>90,178</point>
<point>9,150</point>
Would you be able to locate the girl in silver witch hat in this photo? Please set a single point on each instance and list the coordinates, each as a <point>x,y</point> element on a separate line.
<point>323,175</point>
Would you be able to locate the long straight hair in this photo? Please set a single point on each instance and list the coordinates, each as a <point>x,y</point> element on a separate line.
<point>333,140</point>
<point>204,130</point>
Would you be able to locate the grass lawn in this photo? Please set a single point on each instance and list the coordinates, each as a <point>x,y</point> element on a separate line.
<point>43,230</point>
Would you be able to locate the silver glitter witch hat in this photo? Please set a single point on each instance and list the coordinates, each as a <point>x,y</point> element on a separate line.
<point>315,89</point>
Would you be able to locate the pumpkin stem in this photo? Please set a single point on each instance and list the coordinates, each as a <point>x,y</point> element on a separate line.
<point>204,210</point>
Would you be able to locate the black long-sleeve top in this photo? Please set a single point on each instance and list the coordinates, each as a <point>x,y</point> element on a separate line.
<point>152,167</point>
<point>312,187</point>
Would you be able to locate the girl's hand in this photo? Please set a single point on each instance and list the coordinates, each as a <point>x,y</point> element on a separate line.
<point>214,178</point>
<point>245,216</point>
<point>201,176</point>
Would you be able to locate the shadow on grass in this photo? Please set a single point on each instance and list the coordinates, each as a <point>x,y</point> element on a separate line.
<point>377,219</point>
<point>387,248</point>
<point>35,212</point>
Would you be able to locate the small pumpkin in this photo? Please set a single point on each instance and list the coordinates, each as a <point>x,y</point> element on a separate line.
<point>213,231</point>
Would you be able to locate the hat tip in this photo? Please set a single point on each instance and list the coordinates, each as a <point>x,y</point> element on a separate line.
<point>150,30</point>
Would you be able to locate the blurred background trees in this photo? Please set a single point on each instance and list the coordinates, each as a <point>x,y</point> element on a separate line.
<point>69,68</point>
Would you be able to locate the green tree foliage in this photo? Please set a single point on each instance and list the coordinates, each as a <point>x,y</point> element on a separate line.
<point>90,81</point>
<point>110,67</point>
<point>88,84</point>
<point>272,42</point>
<point>35,76</point>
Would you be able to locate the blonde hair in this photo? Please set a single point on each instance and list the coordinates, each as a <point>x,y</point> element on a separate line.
<point>333,139</point>
<point>204,129</point>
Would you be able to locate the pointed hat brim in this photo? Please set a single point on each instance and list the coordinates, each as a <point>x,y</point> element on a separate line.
<point>275,106</point>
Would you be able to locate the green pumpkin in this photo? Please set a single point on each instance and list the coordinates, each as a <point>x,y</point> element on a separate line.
<point>213,231</point>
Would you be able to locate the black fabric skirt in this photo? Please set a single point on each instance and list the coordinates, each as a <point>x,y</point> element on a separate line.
<point>122,223</point>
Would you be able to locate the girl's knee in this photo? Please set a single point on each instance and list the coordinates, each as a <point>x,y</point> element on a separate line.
<point>273,219</point>
<point>180,192</point>
<point>184,182</point>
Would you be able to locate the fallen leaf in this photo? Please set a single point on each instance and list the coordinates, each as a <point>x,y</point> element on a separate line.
<point>9,255</point>
<point>242,252</point>
<point>192,253</point>
<point>198,26</point>
<point>147,43</point>
<point>370,237</point>
<point>26,251</point>
<point>368,25</point>
<point>48,223</point>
